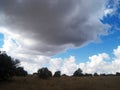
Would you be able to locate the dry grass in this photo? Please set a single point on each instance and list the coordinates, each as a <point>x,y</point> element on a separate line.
<point>63,83</point>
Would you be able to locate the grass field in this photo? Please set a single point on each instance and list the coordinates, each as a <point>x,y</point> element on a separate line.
<point>63,83</point>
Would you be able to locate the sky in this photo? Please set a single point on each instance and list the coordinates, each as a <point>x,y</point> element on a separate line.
<point>62,34</point>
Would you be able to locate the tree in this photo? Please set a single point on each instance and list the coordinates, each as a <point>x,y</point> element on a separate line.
<point>64,75</point>
<point>87,74</point>
<point>57,74</point>
<point>21,72</point>
<point>7,66</point>
<point>103,74</point>
<point>117,74</point>
<point>44,73</point>
<point>78,72</point>
<point>95,74</point>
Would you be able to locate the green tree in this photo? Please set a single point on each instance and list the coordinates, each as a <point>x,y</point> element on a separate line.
<point>57,74</point>
<point>78,72</point>
<point>44,73</point>
<point>7,66</point>
<point>21,72</point>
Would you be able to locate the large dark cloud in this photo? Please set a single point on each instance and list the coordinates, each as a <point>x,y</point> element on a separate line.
<point>51,26</point>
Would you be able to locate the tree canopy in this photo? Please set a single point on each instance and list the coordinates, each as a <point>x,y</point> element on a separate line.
<point>8,66</point>
<point>78,72</point>
<point>44,73</point>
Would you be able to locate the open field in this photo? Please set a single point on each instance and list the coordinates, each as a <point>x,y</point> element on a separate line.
<point>63,83</point>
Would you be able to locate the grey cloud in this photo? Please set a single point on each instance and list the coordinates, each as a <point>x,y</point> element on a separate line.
<point>53,25</point>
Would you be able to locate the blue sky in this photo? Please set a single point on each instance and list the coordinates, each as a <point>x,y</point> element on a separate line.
<point>1,39</point>
<point>67,38</point>
<point>106,44</point>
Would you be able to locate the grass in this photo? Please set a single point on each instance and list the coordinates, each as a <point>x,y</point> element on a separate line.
<point>63,83</point>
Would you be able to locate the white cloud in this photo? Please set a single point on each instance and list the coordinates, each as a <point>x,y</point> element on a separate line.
<point>69,66</point>
<point>31,61</point>
<point>101,63</point>
<point>108,11</point>
<point>116,52</point>
<point>30,67</point>
<point>66,66</point>
<point>98,63</point>
<point>55,64</point>
<point>95,63</point>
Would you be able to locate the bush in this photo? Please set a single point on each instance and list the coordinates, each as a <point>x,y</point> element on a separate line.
<point>87,74</point>
<point>44,73</point>
<point>95,74</point>
<point>103,74</point>
<point>7,66</point>
<point>78,72</point>
<point>117,74</point>
<point>57,74</point>
<point>64,75</point>
<point>21,72</point>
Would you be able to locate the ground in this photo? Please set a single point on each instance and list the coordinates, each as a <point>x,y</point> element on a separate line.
<point>63,83</point>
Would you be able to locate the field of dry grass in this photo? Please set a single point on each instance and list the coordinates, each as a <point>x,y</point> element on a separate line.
<point>63,83</point>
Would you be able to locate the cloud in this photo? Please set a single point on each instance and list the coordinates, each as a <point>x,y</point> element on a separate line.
<point>117,52</point>
<point>102,63</point>
<point>69,66</point>
<point>48,27</point>
<point>96,63</point>
<point>112,13</point>
<point>55,64</point>
<point>66,66</point>
<point>34,30</point>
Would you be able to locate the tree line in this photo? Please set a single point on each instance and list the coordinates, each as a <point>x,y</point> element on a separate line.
<point>10,67</point>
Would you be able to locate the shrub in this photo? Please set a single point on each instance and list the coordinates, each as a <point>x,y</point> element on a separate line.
<point>64,75</point>
<point>44,73</point>
<point>117,74</point>
<point>95,74</point>
<point>87,74</point>
<point>57,74</point>
<point>78,72</point>
<point>21,72</point>
<point>103,74</point>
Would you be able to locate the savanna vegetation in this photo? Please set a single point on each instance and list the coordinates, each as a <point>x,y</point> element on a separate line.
<point>14,77</point>
<point>63,83</point>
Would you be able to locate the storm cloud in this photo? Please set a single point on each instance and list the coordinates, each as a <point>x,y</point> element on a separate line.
<point>50,26</point>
